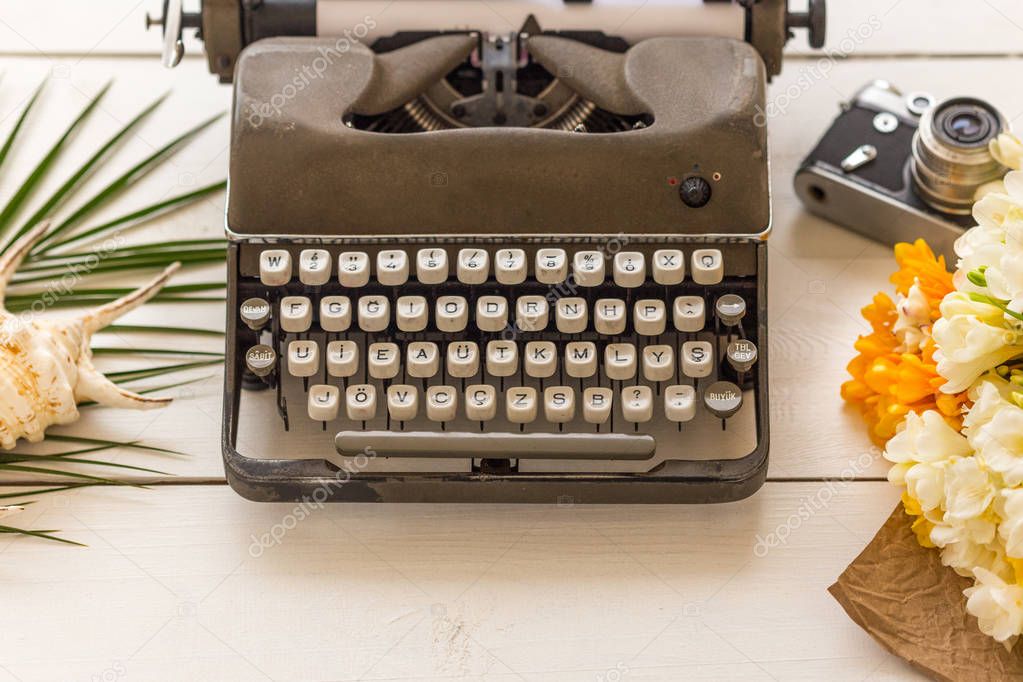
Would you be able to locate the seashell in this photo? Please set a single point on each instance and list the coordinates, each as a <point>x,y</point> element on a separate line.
<point>46,365</point>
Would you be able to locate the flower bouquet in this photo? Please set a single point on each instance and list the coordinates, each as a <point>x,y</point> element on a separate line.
<point>939,381</point>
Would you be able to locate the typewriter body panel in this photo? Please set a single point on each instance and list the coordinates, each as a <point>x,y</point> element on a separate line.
<point>478,267</point>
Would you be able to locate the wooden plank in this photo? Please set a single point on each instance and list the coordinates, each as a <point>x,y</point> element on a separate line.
<point>918,27</point>
<point>821,275</point>
<point>183,589</point>
<point>44,28</point>
<point>861,28</point>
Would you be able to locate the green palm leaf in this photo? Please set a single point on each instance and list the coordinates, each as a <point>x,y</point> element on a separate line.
<point>129,178</point>
<point>6,149</point>
<point>46,165</point>
<point>44,534</point>
<point>148,329</point>
<point>56,255</point>
<point>42,491</point>
<point>83,172</point>
<point>134,218</point>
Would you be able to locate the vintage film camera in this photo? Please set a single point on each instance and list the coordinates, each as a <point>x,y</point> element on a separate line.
<point>897,167</point>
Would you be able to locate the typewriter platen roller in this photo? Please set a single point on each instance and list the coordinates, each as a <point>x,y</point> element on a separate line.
<point>496,256</point>
<point>228,26</point>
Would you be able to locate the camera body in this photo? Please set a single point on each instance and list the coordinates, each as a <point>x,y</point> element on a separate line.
<point>897,167</point>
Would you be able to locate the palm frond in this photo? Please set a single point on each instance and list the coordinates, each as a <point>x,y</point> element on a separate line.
<point>156,351</point>
<point>154,329</point>
<point>76,179</point>
<point>42,170</point>
<point>66,249</point>
<point>135,445</point>
<point>9,142</point>
<point>137,374</point>
<point>130,177</point>
<point>93,297</point>
<point>135,218</point>
<point>44,534</point>
<point>44,491</point>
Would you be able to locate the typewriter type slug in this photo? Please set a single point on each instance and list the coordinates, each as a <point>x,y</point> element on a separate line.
<point>46,365</point>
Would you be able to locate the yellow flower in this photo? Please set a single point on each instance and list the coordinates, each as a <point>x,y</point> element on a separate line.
<point>888,384</point>
<point>921,526</point>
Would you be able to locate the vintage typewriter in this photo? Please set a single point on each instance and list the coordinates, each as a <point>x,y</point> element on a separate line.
<point>496,251</point>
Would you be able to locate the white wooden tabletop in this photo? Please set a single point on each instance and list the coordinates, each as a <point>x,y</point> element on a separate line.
<point>174,585</point>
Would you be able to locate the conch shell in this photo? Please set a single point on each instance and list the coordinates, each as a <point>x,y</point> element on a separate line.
<point>46,365</point>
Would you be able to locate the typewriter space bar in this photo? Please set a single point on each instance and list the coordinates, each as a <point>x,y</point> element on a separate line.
<point>603,446</point>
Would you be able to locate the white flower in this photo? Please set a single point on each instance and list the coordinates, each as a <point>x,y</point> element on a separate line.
<point>978,531</point>
<point>925,483</point>
<point>968,347</point>
<point>926,437</point>
<point>997,605</point>
<point>989,396</point>
<point>999,230</point>
<point>1005,277</point>
<point>969,490</point>
<point>1010,530</point>
<point>913,324</point>
<point>959,303</point>
<point>1008,150</point>
<point>964,556</point>
<point>999,443</point>
<point>919,451</point>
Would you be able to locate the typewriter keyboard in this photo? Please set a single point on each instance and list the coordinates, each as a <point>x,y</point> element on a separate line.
<point>546,358</point>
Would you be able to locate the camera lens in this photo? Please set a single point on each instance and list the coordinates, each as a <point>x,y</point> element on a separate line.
<point>966,123</point>
<point>951,157</point>
<point>966,128</point>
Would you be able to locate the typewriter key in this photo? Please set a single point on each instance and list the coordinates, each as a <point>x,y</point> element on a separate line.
<point>392,267</point>
<point>669,267</point>
<point>680,403</point>
<point>323,402</point>
<point>723,399</point>
<point>742,355</point>
<point>708,267</point>
<point>255,313</point>
<point>730,309</point>
<point>260,360</point>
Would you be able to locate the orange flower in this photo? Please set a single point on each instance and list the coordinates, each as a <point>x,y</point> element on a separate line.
<point>887,384</point>
<point>917,265</point>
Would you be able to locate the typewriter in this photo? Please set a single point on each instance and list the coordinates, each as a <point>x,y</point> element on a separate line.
<point>507,251</point>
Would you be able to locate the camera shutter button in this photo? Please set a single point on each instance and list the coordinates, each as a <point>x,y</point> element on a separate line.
<point>695,192</point>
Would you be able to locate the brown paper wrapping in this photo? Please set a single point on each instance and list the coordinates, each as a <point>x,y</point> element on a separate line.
<point>914,607</point>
